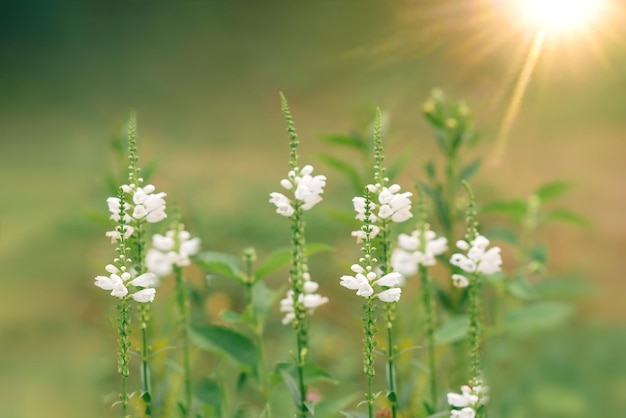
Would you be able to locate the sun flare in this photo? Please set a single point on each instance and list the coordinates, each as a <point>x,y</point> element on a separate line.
<point>559,15</point>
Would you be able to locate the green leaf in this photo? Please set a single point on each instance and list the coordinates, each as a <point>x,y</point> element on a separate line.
<point>537,316</point>
<point>312,372</point>
<point>515,209</point>
<point>210,393</point>
<point>220,263</point>
<point>148,170</point>
<point>564,287</point>
<point>469,170</point>
<point>328,407</point>
<point>226,342</point>
<point>262,299</point>
<point>351,140</point>
<point>282,257</point>
<point>567,216</point>
<point>499,232</point>
<point>346,168</point>
<point>431,171</point>
<point>553,190</point>
<point>293,388</point>
<point>522,288</point>
<point>539,253</point>
<point>230,316</point>
<point>453,330</point>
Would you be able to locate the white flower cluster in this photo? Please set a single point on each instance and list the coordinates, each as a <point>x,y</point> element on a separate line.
<point>407,257</point>
<point>173,248</point>
<point>306,188</point>
<point>309,299</point>
<point>478,259</point>
<point>142,204</point>
<point>391,205</point>
<point>364,280</point>
<point>468,401</point>
<point>119,279</point>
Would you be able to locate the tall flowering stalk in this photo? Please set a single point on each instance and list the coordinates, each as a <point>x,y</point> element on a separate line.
<point>392,207</point>
<point>170,254</point>
<point>137,205</point>
<point>415,253</point>
<point>370,285</point>
<point>476,263</point>
<point>121,280</point>
<point>301,298</point>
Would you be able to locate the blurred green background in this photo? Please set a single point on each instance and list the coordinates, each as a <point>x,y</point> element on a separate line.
<point>203,78</point>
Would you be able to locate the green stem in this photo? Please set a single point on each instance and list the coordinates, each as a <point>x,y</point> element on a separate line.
<point>300,321</point>
<point>390,367</point>
<point>450,194</point>
<point>145,354</point>
<point>368,352</point>
<point>474,311</point>
<point>390,314</point>
<point>429,307</point>
<point>123,355</point>
<point>184,322</point>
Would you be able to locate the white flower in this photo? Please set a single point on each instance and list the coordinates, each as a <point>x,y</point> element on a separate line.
<point>314,301</point>
<point>478,258</point>
<point>283,204</point>
<point>309,299</point>
<point>144,295</point>
<point>162,242</point>
<point>390,295</point>
<point>404,262</point>
<point>459,280</point>
<point>360,235</point>
<point>466,412</point>
<point>364,280</point>
<point>393,204</point>
<point>114,283</point>
<point>359,207</point>
<point>469,400</point>
<point>390,279</point>
<point>173,248</point>
<point>411,252</point>
<point>116,236</point>
<point>158,263</point>
<point>145,280</point>
<point>308,190</point>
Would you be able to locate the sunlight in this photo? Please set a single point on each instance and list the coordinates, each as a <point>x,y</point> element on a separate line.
<point>560,15</point>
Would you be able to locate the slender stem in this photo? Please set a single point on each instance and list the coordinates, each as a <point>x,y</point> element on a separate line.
<point>300,321</point>
<point>390,314</point>
<point>429,308</point>
<point>123,355</point>
<point>145,354</point>
<point>184,321</point>
<point>450,194</point>
<point>474,311</point>
<point>369,357</point>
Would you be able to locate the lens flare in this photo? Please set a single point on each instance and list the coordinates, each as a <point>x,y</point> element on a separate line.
<point>560,15</point>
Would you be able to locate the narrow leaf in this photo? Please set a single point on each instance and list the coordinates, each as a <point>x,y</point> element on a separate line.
<point>346,168</point>
<point>522,288</point>
<point>469,170</point>
<point>515,209</point>
<point>567,216</point>
<point>282,257</point>
<point>537,316</point>
<point>220,263</point>
<point>553,190</point>
<point>452,330</point>
<point>351,140</point>
<point>226,342</point>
